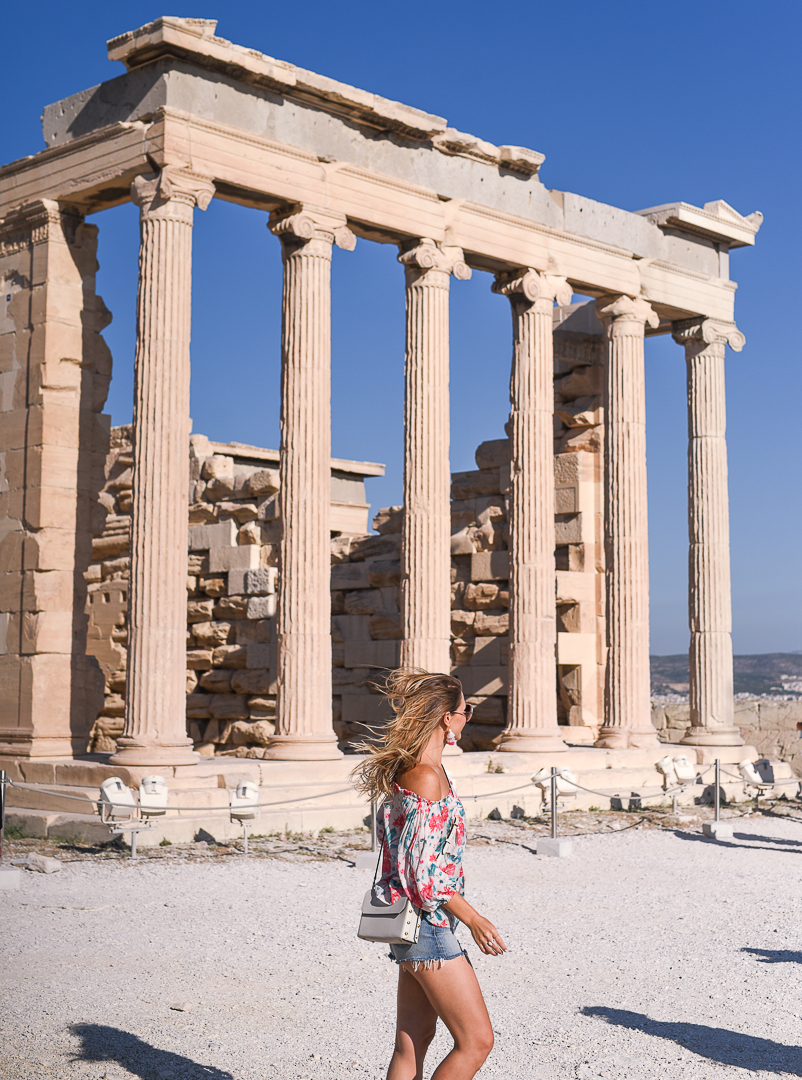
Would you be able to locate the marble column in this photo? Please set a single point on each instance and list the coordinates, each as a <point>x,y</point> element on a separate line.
<point>627,692</point>
<point>155,731</point>
<point>709,605</point>
<point>304,728</point>
<point>532,703</point>
<point>426,539</point>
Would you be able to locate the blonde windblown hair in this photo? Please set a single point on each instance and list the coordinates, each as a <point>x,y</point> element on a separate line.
<point>419,701</point>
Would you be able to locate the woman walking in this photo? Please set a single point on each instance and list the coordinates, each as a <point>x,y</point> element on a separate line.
<point>421,828</point>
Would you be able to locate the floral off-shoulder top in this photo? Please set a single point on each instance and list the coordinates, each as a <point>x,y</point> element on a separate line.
<point>422,845</point>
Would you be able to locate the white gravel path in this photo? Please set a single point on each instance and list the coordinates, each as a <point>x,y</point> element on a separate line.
<point>648,954</point>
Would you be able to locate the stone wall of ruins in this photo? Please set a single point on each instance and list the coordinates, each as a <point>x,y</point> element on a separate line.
<point>231,588</point>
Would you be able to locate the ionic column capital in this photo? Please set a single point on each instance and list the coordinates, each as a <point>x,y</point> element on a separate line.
<point>173,192</point>
<point>708,332</point>
<point>618,311</point>
<point>426,257</point>
<point>305,224</point>
<point>533,286</point>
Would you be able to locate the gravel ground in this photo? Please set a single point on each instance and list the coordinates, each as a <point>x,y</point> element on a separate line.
<point>651,953</point>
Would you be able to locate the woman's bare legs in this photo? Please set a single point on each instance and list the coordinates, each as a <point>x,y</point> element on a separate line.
<point>451,992</point>
<point>414,1030</point>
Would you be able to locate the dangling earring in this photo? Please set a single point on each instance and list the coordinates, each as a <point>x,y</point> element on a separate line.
<point>451,738</point>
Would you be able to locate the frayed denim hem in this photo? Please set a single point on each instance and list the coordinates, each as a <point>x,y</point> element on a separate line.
<point>429,964</point>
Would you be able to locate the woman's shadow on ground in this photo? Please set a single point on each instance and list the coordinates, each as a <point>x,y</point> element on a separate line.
<point>715,1044</point>
<point>101,1043</point>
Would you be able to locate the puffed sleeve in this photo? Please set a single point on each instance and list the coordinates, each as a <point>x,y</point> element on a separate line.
<point>428,879</point>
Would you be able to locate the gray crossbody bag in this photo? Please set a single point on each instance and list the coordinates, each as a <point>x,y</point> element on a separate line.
<point>393,924</point>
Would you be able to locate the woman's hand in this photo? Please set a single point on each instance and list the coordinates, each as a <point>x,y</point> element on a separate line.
<point>486,936</point>
<point>484,933</point>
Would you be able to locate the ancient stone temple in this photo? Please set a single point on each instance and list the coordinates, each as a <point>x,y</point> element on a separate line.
<point>529,576</point>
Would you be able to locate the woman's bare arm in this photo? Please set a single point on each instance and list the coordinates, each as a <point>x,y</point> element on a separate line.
<point>484,932</point>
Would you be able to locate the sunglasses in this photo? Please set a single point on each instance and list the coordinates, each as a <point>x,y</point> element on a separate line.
<point>468,713</point>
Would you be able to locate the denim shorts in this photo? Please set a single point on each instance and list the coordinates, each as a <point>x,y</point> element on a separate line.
<point>434,945</point>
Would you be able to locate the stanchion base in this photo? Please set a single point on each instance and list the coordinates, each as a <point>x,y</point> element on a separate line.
<point>365,860</point>
<point>10,877</point>
<point>719,830</point>
<point>560,848</point>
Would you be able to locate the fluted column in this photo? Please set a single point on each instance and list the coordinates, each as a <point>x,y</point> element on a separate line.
<point>709,603</point>
<point>155,707</point>
<point>532,704</point>
<point>627,696</point>
<point>425,549</point>
<point>304,728</point>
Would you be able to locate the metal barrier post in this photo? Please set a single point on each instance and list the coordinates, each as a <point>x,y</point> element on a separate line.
<point>554,804</point>
<point>551,845</point>
<point>717,829</point>
<point>374,840</point>
<point>10,876</point>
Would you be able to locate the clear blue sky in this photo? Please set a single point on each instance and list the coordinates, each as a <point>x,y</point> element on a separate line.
<point>633,104</point>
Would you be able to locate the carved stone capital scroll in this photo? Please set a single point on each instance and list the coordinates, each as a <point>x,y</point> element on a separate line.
<point>305,224</point>
<point>708,332</point>
<point>426,257</point>
<point>626,309</point>
<point>173,192</point>
<point>533,286</point>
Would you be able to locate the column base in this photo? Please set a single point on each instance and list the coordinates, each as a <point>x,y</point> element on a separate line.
<point>617,738</point>
<point>531,741</point>
<point>699,736</point>
<point>131,752</point>
<point>300,748</point>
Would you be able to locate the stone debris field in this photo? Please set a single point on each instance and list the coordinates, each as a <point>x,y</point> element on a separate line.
<point>651,952</point>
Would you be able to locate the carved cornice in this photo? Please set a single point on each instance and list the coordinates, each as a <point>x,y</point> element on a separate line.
<point>301,224</point>
<point>33,224</point>
<point>533,286</point>
<point>426,255</point>
<point>176,184</point>
<point>708,332</point>
<point>612,309</point>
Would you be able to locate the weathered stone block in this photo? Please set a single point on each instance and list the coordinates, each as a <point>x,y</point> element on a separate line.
<point>568,529</point>
<point>382,572</point>
<point>231,607</point>
<point>379,654</point>
<point>261,582</point>
<point>230,656</point>
<point>350,576</point>
<point>205,537</point>
<point>211,633</point>
<point>461,622</point>
<point>217,681</point>
<point>389,519</point>
<point>263,482</point>
<point>483,595</point>
<point>199,610</point>
<point>370,547</point>
<point>352,627</point>
<point>253,682</point>
<point>261,656</point>
<point>244,557</point>
<point>493,453</point>
<point>363,602</point>
<point>490,566</point>
<point>261,607</point>
<point>367,709</point>
<point>467,485</point>
<point>384,627</point>
<point>486,624</point>
<point>229,707</point>
<point>199,659</point>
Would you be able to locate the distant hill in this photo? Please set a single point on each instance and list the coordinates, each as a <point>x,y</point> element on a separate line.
<point>761,675</point>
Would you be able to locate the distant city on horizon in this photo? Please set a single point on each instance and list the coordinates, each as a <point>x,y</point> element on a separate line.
<point>773,676</point>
